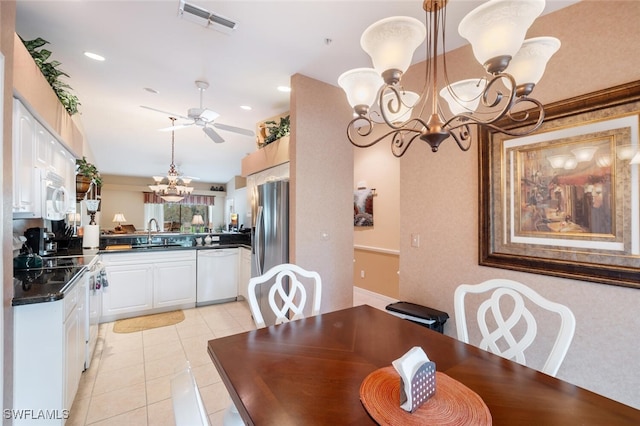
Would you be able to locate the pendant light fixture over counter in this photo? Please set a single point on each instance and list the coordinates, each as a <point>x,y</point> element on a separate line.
<point>176,187</point>
<point>513,65</point>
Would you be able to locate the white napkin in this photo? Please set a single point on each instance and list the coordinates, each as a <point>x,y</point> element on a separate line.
<point>418,378</point>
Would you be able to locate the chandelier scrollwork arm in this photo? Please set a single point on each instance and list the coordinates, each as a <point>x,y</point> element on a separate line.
<point>358,133</point>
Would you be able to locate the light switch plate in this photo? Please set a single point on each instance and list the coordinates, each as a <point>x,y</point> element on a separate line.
<point>415,240</point>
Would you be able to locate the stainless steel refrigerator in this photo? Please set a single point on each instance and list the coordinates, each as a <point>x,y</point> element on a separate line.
<point>270,244</point>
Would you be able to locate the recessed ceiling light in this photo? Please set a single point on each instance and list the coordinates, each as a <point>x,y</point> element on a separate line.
<point>246,107</point>
<point>150,90</point>
<point>94,56</point>
<point>284,88</point>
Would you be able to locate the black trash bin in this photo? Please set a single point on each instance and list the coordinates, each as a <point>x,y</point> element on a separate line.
<point>423,315</point>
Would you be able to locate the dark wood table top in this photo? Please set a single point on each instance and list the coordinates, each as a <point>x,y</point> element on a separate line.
<point>309,372</point>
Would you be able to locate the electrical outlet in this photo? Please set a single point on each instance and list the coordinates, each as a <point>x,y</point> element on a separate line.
<point>415,240</point>
<point>362,273</point>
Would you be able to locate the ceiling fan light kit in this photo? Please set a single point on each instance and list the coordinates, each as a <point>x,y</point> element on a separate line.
<point>496,30</point>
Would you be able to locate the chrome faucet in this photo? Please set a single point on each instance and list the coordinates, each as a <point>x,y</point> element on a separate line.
<point>152,220</point>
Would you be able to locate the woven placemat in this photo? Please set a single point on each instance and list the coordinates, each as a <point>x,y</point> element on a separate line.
<point>453,403</point>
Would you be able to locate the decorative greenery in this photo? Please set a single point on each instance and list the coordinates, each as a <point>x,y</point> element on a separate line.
<point>277,130</point>
<point>51,73</point>
<point>84,168</point>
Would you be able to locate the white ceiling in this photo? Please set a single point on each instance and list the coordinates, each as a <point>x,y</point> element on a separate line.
<point>147,45</point>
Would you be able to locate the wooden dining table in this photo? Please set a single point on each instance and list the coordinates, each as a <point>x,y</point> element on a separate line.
<point>309,372</point>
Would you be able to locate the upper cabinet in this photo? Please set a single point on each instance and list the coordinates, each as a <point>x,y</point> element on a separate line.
<point>26,197</point>
<point>37,154</point>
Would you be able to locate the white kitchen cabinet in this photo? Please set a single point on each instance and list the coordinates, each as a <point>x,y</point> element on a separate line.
<point>168,283</point>
<point>26,194</point>
<point>53,156</point>
<point>45,145</point>
<point>47,354</point>
<point>244,272</point>
<point>73,370</point>
<point>130,290</point>
<point>148,282</point>
<point>217,276</point>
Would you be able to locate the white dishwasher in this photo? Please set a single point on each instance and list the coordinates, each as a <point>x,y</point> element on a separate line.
<point>217,280</point>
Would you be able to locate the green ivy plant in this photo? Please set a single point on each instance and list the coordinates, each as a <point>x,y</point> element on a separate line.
<point>51,73</point>
<point>277,130</point>
<point>89,170</point>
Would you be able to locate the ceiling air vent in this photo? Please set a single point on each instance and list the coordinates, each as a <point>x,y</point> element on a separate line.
<point>202,16</point>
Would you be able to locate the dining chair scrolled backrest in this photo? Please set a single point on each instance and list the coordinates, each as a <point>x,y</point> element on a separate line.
<point>293,299</point>
<point>520,314</point>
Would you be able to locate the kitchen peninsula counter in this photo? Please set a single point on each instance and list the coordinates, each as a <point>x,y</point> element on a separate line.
<point>53,280</point>
<point>50,282</point>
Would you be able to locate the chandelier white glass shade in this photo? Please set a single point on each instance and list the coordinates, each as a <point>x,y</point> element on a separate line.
<point>175,188</point>
<point>496,31</point>
<point>464,95</point>
<point>391,42</point>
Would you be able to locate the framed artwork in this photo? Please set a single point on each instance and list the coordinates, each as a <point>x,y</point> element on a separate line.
<point>565,200</point>
<point>363,206</point>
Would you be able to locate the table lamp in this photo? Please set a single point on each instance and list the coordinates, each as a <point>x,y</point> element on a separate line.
<point>197,221</point>
<point>119,218</point>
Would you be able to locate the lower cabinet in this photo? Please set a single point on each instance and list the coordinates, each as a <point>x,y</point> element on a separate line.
<point>244,274</point>
<point>48,358</point>
<point>130,289</point>
<point>142,283</point>
<point>167,290</point>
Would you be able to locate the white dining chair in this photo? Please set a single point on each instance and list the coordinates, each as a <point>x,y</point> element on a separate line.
<point>188,408</point>
<point>293,300</point>
<point>490,313</point>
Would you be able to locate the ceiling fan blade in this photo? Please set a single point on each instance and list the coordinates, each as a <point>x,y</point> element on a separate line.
<point>176,127</point>
<point>213,134</point>
<point>239,130</point>
<point>172,114</point>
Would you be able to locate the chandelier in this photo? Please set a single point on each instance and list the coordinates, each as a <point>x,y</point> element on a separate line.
<point>496,31</point>
<point>176,186</point>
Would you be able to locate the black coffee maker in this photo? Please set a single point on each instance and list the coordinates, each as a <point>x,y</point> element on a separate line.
<point>41,241</point>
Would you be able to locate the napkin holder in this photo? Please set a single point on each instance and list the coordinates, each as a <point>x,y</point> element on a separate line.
<point>417,379</point>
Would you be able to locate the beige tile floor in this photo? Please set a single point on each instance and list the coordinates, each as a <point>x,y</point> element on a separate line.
<point>128,382</point>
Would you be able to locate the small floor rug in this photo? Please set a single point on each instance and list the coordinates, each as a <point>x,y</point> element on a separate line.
<point>131,325</point>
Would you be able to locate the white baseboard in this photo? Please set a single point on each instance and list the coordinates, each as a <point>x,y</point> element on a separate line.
<point>362,296</point>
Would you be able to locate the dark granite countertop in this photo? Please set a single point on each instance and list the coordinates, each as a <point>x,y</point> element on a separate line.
<point>161,248</point>
<point>50,283</point>
<point>44,284</point>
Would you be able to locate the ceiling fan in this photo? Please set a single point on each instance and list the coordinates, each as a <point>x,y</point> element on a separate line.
<point>203,117</point>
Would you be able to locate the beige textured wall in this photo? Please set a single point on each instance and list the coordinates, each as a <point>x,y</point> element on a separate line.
<point>381,171</point>
<point>439,200</point>
<point>7,29</point>
<point>377,247</point>
<point>377,272</point>
<point>321,188</point>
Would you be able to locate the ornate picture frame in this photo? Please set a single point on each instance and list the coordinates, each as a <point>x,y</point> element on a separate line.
<point>565,200</point>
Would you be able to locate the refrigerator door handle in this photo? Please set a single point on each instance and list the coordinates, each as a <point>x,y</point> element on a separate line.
<point>258,240</point>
